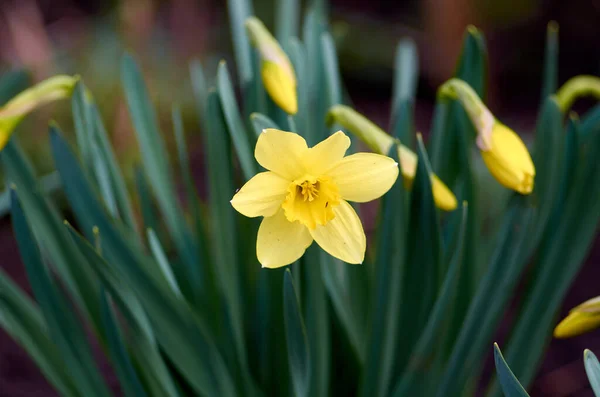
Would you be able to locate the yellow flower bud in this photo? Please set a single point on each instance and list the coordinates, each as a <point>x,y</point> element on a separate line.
<point>277,72</point>
<point>380,142</point>
<point>581,319</point>
<point>503,152</point>
<point>52,89</point>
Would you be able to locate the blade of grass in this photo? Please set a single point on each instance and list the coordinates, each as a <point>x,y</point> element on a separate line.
<point>297,54</point>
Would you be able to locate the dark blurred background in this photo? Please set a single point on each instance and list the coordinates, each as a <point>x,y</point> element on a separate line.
<point>87,37</point>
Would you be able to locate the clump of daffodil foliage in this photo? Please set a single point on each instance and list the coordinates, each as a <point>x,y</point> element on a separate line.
<point>273,284</point>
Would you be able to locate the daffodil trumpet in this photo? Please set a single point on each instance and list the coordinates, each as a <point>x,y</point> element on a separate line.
<point>50,90</point>
<point>277,73</point>
<point>303,196</point>
<point>503,151</point>
<point>581,319</point>
<point>381,142</point>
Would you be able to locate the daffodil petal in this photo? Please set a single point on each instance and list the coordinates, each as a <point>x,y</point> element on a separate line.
<point>281,242</point>
<point>261,196</point>
<point>280,84</point>
<point>281,152</point>
<point>343,236</point>
<point>443,197</point>
<point>509,161</point>
<point>364,177</point>
<point>577,323</point>
<point>327,153</point>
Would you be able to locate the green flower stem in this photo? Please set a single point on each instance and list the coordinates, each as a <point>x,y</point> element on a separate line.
<point>575,88</point>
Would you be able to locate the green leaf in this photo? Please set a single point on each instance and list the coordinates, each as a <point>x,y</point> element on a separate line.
<point>287,21</point>
<point>420,284</point>
<point>508,381</point>
<point>155,162</point>
<point>63,326</point>
<point>566,242</point>
<point>237,130</point>
<point>297,342</point>
<point>316,313</point>
<point>297,54</point>
<point>230,270</point>
<point>383,337</point>
<point>347,287</point>
<point>163,262</point>
<point>44,218</point>
<point>314,26</point>
<point>261,122</point>
<point>550,73</point>
<point>333,84</point>
<point>406,71</point>
<point>548,159</point>
<point>414,380</point>
<point>590,125</point>
<point>124,369</point>
<point>239,10</point>
<point>199,88</point>
<point>22,320</point>
<point>406,76</point>
<point>592,368</point>
<point>181,333</point>
<point>142,341</point>
<point>491,297</point>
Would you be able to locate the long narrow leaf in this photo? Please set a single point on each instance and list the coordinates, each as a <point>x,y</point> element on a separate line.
<point>297,342</point>
<point>509,383</point>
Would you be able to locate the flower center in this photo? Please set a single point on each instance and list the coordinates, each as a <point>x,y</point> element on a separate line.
<point>310,200</point>
<point>308,190</point>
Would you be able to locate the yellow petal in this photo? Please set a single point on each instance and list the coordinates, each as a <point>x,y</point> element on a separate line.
<point>577,323</point>
<point>281,242</point>
<point>327,153</point>
<point>364,177</point>
<point>343,236</point>
<point>280,84</point>
<point>443,197</point>
<point>509,161</point>
<point>281,152</point>
<point>261,196</point>
<point>589,306</point>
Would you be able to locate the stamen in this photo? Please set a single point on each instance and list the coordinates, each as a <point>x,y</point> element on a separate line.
<point>309,191</point>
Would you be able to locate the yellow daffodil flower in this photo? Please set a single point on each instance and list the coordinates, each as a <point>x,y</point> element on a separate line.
<point>503,152</point>
<point>302,196</point>
<point>581,319</point>
<point>52,89</point>
<point>277,72</point>
<point>379,141</point>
